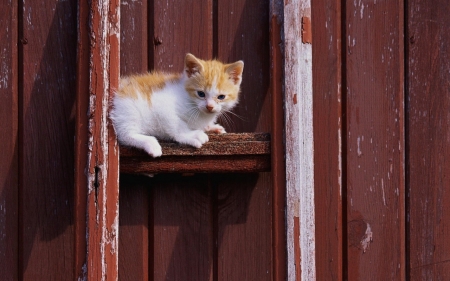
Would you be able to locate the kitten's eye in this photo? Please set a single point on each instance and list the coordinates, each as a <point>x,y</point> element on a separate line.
<point>201,94</point>
<point>221,97</point>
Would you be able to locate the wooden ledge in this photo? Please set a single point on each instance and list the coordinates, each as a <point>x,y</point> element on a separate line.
<point>244,152</point>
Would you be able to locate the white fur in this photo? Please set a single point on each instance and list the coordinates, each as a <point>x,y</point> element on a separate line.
<point>172,115</point>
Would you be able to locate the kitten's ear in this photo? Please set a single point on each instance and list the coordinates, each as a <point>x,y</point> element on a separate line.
<point>235,71</point>
<point>192,65</point>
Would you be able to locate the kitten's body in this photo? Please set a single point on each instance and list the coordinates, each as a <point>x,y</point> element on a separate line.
<point>175,107</point>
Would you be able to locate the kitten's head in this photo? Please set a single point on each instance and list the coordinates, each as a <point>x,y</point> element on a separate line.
<point>213,86</point>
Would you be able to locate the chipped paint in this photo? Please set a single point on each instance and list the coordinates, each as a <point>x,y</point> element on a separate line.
<point>299,141</point>
<point>367,238</point>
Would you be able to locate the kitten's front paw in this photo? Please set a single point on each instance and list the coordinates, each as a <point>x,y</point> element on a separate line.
<point>215,128</point>
<point>195,138</point>
<point>153,149</point>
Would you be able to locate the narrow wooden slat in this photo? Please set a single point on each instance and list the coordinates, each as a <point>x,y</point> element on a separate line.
<point>81,142</point>
<point>48,43</point>
<point>134,192</point>
<point>329,136</point>
<point>299,143</point>
<point>9,169</point>
<point>428,138</point>
<point>102,167</point>
<point>180,211</point>
<point>278,163</point>
<point>375,140</point>
<point>244,206</point>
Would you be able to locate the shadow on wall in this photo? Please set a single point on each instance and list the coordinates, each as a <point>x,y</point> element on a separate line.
<point>47,64</point>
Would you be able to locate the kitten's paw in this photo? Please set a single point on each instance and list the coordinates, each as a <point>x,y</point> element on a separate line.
<point>194,138</point>
<point>202,137</point>
<point>215,128</point>
<point>153,148</point>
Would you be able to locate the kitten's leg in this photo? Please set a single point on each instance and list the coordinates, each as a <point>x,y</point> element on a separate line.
<point>148,143</point>
<point>195,138</point>
<point>215,128</point>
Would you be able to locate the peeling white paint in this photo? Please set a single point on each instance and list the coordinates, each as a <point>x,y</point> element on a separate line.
<point>367,239</point>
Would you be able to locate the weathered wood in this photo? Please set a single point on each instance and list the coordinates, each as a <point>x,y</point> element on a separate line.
<point>47,61</point>
<point>329,138</point>
<point>9,164</point>
<point>102,167</point>
<point>134,203</point>
<point>428,139</point>
<point>375,140</point>
<point>299,142</point>
<point>244,218</point>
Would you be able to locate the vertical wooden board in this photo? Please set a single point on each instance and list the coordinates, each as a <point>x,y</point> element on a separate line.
<point>180,27</point>
<point>182,218</point>
<point>244,227</point>
<point>428,138</point>
<point>245,208</point>
<point>328,136</point>
<point>243,34</point>
<point>181,210</point>
<point>48,39</point>
<point>9,181</point>
<point>134,194</point>
<point>133,228</point>
<point>375,140</point>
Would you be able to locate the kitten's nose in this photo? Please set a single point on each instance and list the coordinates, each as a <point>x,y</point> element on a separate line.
<point>210,108</point>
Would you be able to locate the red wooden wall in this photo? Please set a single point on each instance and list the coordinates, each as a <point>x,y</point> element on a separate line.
<point>381,119</point>
<point>381,129</point>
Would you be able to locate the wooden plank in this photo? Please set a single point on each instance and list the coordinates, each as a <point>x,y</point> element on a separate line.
<point>81,142</point>
<point>279,249</point>
<point>329,135</point>
<point>244,223</point>
<point>223,153</point>
<point>9,164</point>
<point>133,228</point>
<point>375,140</point>
<point>299,143</point>
<point>428,139</point>
<point>183,238</point>
<point>47,87</point>
<point>134,193</point>
<point>185,249</point>
<point>244,227</point>
<point>103,157</point>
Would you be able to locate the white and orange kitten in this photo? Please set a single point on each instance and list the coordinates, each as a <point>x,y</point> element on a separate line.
<point>179,107</point>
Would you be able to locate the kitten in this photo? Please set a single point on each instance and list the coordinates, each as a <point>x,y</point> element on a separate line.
<point>179,107</point>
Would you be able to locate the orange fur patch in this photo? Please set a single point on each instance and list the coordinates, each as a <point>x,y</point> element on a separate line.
<point>145,84</point>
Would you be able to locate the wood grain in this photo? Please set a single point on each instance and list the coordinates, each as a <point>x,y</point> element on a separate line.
<point>9,164</point>
<point>375,140</point>
<point>329,138</point>
<point>134,202</point>
<point>245,207</point>
<point>428,138</point>
<point>103,156</point>
<point>47,86</point>
<point>181,211</point>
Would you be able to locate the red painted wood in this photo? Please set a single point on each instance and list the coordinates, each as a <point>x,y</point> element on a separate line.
<point>134,193</point>
<point>9,173</point>
<point>81,142</point>
<point>181,210</point>
<point>103,157</point>
<point>375,140</point>
<point>278,162</point>
<point>245,205</point>
<point>47,86</point>
<point>428,138</point>
<point>329,138</point>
